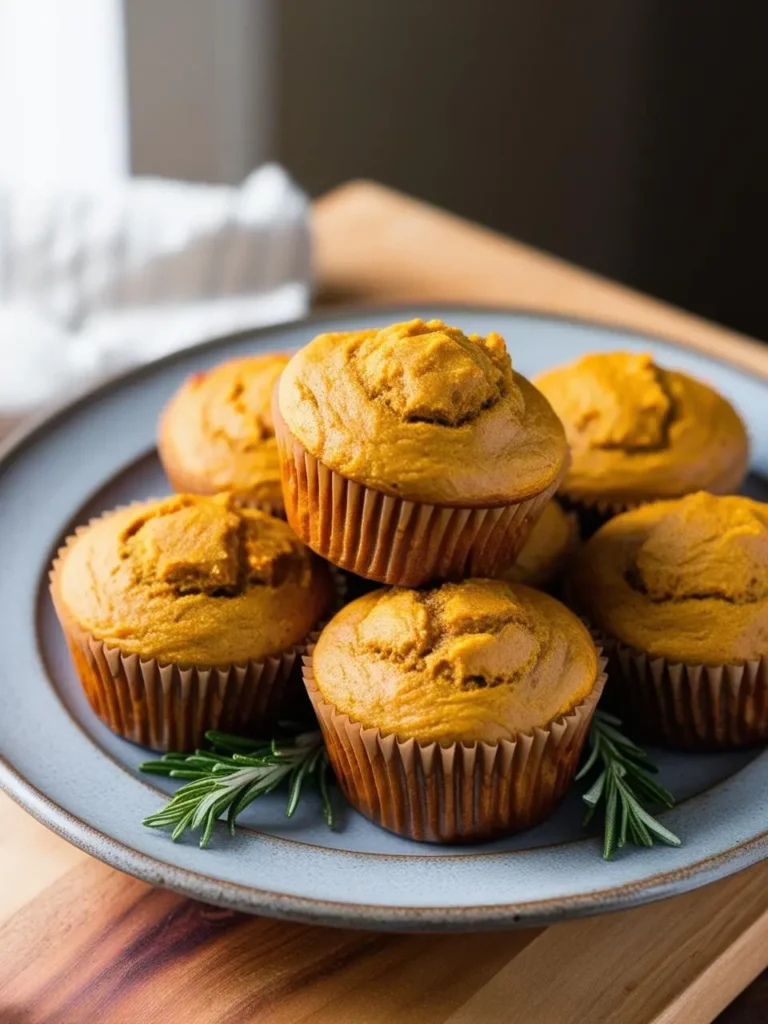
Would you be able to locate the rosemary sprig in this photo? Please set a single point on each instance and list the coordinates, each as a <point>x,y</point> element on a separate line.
<point>625,783</point>
<point>232,774</point>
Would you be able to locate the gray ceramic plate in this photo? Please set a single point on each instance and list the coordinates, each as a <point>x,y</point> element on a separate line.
<point>73,774</point>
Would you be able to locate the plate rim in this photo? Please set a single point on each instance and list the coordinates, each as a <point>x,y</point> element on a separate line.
<point>308,910</point>
<point>237,896</point>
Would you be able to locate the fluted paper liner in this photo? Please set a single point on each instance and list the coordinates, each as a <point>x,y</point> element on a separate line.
<point>591,515</point>
<point>390,539</point>
<point>165,706</point>
<point>457,793</point>
<point>278,511</point>
<point>686,706</point>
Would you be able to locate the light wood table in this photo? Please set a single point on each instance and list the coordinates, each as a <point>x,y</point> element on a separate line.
<point>80,942</point>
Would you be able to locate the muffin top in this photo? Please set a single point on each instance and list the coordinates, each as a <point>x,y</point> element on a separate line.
<point>462,662</point>
<point>549,544</point>
<point>193,580</point>
<point>637,431</point>
<point>217,434</point>
<point>686,580</point>
<point>423,412</point>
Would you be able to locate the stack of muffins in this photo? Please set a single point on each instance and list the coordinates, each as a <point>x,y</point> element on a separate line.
<point>455,700</point>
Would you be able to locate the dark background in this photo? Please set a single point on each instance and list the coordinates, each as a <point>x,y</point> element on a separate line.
<point>628,136</point>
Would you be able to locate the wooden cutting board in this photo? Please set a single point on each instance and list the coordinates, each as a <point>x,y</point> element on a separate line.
<point>80,942</point>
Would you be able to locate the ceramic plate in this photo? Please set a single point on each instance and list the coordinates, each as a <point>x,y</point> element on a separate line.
<point>74,775</point>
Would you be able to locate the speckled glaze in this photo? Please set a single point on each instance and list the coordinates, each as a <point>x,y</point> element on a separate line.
<point>359,875</point>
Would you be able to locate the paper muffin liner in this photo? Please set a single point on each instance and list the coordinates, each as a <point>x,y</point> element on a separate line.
<point>167,706</point>
<point>686,706</point>
<point>278,511</point>
<point>460,792</point>
<point>591,515</point>
<point>392,540</point>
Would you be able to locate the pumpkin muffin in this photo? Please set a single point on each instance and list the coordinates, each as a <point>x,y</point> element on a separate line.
<point>216,434</point>
<point>547,550</point>
<point>679,592</point>
<point>187,614</point>
<point>458,712</point>
<point>414,452</point>
<point>638,432</point>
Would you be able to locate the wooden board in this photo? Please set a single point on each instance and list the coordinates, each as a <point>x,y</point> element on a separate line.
<point>80,942</point>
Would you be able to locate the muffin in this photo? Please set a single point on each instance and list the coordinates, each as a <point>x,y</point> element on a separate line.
<point>638,433</point>
<point>454,713</point>
<point>187,614</point>
<point>415,452</point>
<point>679,592</point>
<point>216,434</point>
<point>547,550</point>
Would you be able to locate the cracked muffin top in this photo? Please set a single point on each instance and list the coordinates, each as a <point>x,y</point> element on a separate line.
<point>461,662</point>
<point>423,412</point>
<point>216,434</point>
<point>193,580</point>
<point>686,580</point>
<point>638,432</point>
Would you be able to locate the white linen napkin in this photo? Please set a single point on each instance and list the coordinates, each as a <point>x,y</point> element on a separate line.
<point>91,284</point>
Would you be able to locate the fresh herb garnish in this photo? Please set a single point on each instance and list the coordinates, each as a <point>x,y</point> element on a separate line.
<point>231,775</point>
<point>624,785</point>
<point>236,771</point>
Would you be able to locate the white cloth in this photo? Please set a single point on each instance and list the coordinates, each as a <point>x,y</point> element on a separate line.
<point>93,284</point>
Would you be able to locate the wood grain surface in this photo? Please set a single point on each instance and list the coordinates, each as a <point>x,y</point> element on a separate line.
<point>80,942</point>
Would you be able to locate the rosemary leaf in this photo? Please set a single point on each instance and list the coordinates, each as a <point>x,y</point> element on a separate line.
<point>622,840</point>
<point>645,786</point>
<point>611,835</point>
<point>297,778</point>
<point>656,828</point>
<point>586,768</point>
<point>324,794</point>
<point>234,744</point>
<point>595,792</point>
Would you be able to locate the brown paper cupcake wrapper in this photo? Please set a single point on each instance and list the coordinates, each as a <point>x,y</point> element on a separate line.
<point>263,506</point>
<point>689,707</point>
<point>390,539</point>
<point>456,793</point>
<point>165,706</point>
<point>591,515</point>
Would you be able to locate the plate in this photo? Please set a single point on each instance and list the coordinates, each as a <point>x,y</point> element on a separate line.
<point>75,776</point>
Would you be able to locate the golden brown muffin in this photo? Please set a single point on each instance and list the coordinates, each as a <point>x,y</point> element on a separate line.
<point>216,434</point>
<point>193,584</point>
<point>414,452</point>
<point>638,432</point>
<point>547,550</point>
<point>479,668</point>
<point>681,589</point>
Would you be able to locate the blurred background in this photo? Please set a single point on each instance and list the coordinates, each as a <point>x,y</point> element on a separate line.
<point>627,137</point>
